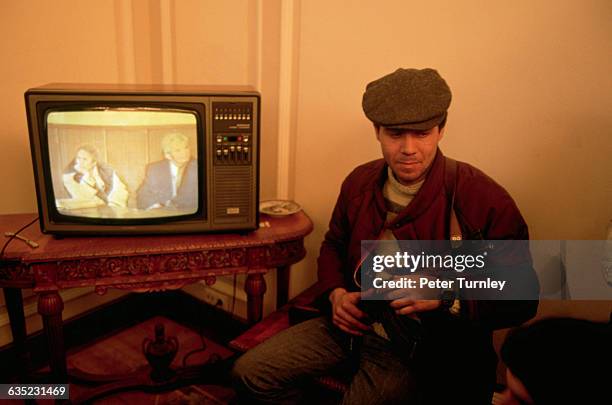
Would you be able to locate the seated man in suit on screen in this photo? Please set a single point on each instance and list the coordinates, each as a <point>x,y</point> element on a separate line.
<point>91,183</point>
<point>173,181</point>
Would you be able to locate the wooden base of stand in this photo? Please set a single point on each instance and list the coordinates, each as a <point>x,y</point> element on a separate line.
<point>213,372</point>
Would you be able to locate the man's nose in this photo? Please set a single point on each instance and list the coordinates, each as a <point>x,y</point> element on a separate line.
<point>407,144</point>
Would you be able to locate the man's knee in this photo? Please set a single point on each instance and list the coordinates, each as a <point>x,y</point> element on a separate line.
<point>244,372</point>
<point>274,369</point>
<point>252,378</point>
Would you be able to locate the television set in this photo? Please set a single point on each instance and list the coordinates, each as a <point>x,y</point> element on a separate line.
<point>142,159</point>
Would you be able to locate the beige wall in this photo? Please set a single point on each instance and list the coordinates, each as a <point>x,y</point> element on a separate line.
<point>531,85</point>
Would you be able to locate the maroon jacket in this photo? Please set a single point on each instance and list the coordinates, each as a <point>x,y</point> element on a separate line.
<point>484,209</point>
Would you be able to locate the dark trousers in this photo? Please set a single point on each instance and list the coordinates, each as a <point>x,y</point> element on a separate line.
<point>276,370</point>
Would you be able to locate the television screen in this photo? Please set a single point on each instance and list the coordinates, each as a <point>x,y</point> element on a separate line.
<point>122,163</point>
<point>120,159</point>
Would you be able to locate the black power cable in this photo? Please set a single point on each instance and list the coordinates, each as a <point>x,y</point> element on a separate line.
<point>14,235</point>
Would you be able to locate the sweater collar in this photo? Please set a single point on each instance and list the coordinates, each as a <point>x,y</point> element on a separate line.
<point>400,189</point>
<point>431,188</point>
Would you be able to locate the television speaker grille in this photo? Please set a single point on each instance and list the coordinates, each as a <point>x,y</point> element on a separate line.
<point>234,194</point>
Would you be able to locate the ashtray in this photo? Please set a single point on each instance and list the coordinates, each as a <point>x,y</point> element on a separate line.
<point>279,208</point>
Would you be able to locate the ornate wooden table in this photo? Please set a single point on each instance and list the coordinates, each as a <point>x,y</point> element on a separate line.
<point>140,263</point>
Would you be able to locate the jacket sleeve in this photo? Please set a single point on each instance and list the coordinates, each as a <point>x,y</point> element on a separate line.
<point>332,261</point>
<point>187,195</point>
<point>513,263</point>
<point>147,194</point>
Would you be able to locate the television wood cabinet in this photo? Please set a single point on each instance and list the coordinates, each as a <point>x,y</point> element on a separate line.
<point>141,264</point>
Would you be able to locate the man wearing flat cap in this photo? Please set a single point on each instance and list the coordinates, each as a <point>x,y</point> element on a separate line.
<point>403,350</point>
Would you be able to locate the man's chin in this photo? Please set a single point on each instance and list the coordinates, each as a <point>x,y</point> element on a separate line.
<point>408,181</point>
<point>408,177</point>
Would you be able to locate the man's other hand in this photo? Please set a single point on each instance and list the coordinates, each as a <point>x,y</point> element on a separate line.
<point>411,301</point>
<point>345,313</point>
<point>406,306</point>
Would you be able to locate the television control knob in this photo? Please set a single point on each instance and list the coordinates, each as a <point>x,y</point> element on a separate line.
<point>232,148</point>
<point>225,152</point>
<point>239,148</point>
<point>245,139</point>
<point>246,149</point>
<point>219,139</point>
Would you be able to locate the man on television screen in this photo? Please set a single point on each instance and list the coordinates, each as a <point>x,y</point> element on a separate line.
<point>400,350</point>
<point>171,182</point>
<point>91,183</point>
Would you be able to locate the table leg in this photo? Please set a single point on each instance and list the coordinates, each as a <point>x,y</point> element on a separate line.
<point>50,306</point>
<point>14,307</point>
<point>255,287</point>
<point>282,285</point>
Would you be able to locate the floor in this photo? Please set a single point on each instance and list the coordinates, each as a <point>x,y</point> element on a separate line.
<point>122,353</point>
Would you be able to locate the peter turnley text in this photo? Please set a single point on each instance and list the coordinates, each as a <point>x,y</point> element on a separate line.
<point>425,282</point>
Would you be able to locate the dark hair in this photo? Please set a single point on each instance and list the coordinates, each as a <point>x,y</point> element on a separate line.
<point>92,150</point>
<point>560,360</point>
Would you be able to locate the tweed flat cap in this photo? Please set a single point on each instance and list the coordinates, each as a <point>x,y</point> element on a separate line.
<point>407,99</point>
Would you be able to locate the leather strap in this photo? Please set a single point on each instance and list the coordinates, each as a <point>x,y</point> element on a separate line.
<point>451,184</point>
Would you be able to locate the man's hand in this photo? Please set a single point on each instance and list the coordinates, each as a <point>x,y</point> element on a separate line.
<point>80,169</point>
<point>408,301</point>
<point>406,306</point>
<point>345,313</point>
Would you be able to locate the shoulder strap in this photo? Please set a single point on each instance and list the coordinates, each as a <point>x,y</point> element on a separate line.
<point>451,185</point>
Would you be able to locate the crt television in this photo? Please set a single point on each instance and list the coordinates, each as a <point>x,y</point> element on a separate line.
<point>140,159</point>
